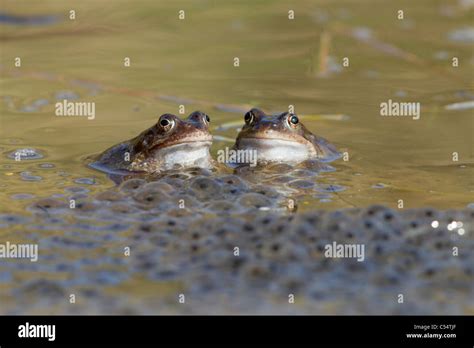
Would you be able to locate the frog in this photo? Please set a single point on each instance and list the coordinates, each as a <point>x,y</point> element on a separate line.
<point>282,137</point>
<point>170,143</point>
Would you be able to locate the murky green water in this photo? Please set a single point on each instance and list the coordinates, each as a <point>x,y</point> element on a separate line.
<point>425,162</point>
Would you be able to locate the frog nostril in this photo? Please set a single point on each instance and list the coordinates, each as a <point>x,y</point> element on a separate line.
<point>208,120</point>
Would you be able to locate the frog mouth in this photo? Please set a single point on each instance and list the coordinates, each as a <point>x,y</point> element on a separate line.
<point>268,142</point>
<point>290,149</point>
<point>257,139</point>
<point>188,153</point>
<point>276,149</point>
<point>186,148</point>
<point>190,142</point>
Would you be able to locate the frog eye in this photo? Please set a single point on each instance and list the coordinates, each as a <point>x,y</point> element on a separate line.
<point>208,120</point>
<point>248,118</point>
<point>166,123</point>
<point>293,120</point>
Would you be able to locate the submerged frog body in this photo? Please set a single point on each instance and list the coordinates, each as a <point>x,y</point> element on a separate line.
<point>169,143</point>
<point>282,138</point>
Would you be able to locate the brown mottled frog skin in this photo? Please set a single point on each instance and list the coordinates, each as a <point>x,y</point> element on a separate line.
<point>170,143</point>
<point>282,138</point>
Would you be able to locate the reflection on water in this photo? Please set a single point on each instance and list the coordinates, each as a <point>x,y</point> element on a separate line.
<point>190,63</point>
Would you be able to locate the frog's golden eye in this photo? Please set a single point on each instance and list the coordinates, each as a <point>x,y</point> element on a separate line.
<point>166,123</point>
<point>248,118</point>
<point>293,120</point>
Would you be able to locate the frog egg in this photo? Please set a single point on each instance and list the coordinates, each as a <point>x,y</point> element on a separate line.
<point>373,210</point>
<point>160,240</point>
<point>185,201</point>
<point>275,249</point>
<point>293,279</point>
<point>232,180</point>
<point>301,184</point>
<point>303,173</point>
<point>312,218</point>
<point>122,208</point>
<point>85,206</point>
<point>226,229</point>
<point>316,166</point>
<point>147,228</point>
<point>176,183</point>
<point>205,188</point>
<point>279,168</point>
<point>254,200</point>
<point>195,171</point>
<point>131,185</point>
<point>109,195</point>
<point>280,179</point>
<point>157,186</point>
<point>388,278</point>
<point>222,206</point>
<point>168,273</point>
<point>47,290</point>
<point>181,213</point>
<point>430,213</point>
<point>50,203</point>
<point>150,197</point>
<point>232,185</point>
<point>263,222</point>
<point>266,191</point>
<point>178,176</point>
<point>257,270</point>
<point>145,261</point>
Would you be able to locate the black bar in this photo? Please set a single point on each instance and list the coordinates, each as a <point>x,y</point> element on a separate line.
<point>288,330</point>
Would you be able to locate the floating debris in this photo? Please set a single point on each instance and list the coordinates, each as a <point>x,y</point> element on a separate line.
<point>93,87</point>
<point>330,117</point>
<point>379,186</point>
<point>11,19</point>
<point>22,196</point>
<point>460,106</point>
<point>25,154</point>
<point>222,138</point>
<point>69,95</point>
<point>35,105</point>
<point>176,99</point>
<point>331,188</point>
<point>12,219</point>
<point>229,125</point>
<point>462,35</point>
<point>76,189</point>
<point>401,94</point>
<point>27,176</point>
<point>362,33</point>
<point>46,165</point>
<point>441,55</point>
<point>86,181</point>
<point>232,108</point>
